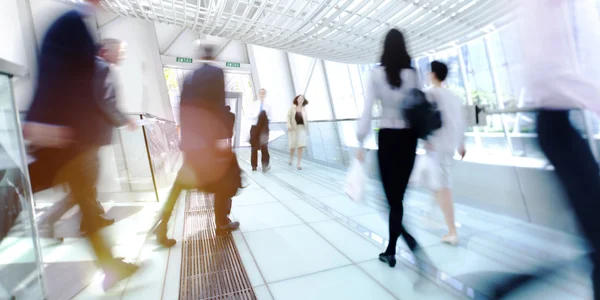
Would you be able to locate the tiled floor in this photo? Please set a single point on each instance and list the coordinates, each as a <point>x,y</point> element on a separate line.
<point>304,239</point>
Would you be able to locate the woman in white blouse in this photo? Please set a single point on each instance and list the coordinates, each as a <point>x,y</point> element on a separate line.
<point>297,124</point>
<point>388,83</point>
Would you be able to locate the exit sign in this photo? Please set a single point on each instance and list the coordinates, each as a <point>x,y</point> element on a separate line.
<point>232,64</point>
<point>184,60</point>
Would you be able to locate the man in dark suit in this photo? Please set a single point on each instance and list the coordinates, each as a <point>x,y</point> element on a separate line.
<point>209,162</point>
<point>230,124</point>
<point>68,127</point>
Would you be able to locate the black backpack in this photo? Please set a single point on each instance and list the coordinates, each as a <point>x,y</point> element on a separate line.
<point>421,115</point>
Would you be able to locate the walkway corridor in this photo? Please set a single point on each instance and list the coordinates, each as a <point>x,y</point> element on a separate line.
<point>302,238</point>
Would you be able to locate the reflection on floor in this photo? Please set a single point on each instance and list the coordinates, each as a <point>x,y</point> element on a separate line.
<point>302,238</point>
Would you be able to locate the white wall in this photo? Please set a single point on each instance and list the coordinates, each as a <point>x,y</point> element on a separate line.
<point>19,46</point>
<point>143,87</point>
<point>274,76</point>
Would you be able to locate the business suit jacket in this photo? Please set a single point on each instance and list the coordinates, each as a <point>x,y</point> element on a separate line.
<point>64,93</point>
<point>202,114</point>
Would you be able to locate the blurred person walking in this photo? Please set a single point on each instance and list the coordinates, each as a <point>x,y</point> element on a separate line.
<point>209,162</point>
<point>297,125</point>
<point>442,145</point>
<point>110,52</point>
<point>560,39</point>
<point>67,125</point>
<point>230,125</point>
<point>389,83</point>
<point>258,107</point>
<point>259,139</point>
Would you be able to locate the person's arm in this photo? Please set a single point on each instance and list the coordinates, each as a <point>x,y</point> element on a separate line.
<point>364,123</point>
<point>288,120</point>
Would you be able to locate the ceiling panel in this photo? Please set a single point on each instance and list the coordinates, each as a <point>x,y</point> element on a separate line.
<point>348,31</point>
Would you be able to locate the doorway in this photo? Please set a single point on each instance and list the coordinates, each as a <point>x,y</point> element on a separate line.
<point>239,95</point>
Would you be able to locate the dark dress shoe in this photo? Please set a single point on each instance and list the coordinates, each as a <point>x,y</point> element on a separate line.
<point>390,259</point>
<point>231,226</point>
<point>161,235</point>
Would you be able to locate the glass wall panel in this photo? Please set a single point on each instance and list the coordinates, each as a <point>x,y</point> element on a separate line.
<point>20,258</point>
<point>300,68</point>
<point>357,87</point>
<point>274,76</point>
<point>340,85</point>
<point>424,69</point>
<point>319,107</point>
<point>479,73</point>
<point>454,80</point>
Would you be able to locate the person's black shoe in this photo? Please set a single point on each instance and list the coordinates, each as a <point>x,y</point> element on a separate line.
<point>116,273</point>
<point>254,169</point>
<point>266,169</point>
<point>231,226</point>
<point>99,221</point>
<point>160,230</point>
<point>390,259</point>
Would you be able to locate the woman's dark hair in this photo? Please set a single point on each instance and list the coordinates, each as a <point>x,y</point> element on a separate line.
<point>395,57</point>
<point>296,100</point>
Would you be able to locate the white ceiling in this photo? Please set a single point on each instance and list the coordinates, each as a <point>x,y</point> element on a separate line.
<point>339,30</point>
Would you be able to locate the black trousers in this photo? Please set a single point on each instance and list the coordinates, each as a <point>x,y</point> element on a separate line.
<point>396,155</point>
<point>265,157</point>
<point>80,173</point>
<point>578,172</point>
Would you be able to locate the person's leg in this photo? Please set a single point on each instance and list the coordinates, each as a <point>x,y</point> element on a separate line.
<point>578,172</point>
<point>265,157</point>
<point>300,151</point>
<point>93,205</point>
<point>162,226</point>
<point>254,158</point>
<point>444,198</point>
<point>395,166</point>
<point>292,150</point>
<point>80,174</point>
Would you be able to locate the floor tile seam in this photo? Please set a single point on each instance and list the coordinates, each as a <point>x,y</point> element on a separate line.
<point>434,245</point>
<point>262,276</point>
<point>272,228</point>
<point>339,220</point>
<point>173,233</point>
<point>336,249</point>
<point>302,174</point>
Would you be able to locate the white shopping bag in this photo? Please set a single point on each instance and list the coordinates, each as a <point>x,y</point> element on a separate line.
<point>356,181</point>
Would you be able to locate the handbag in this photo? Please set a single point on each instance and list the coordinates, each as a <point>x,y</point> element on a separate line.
<point>422,116</point>
<point>356,181</point>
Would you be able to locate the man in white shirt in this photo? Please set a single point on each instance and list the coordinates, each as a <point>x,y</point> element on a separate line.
<point>257,107</point>
<point>443,144</point>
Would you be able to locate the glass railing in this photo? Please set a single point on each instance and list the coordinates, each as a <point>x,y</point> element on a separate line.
<point>138,166</point>
<point>504,171</point>
<point>21,273</point>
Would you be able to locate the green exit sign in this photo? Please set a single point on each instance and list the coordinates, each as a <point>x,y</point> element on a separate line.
<point>232,64</point>
<point>184,60</point>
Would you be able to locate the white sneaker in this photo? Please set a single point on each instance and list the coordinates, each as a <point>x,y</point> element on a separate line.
<point>450,239</point>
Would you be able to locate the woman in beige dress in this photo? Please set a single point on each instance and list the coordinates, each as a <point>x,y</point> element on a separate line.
<point>297,124</point>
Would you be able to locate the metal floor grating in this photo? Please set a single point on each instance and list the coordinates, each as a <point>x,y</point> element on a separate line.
<point>211,267</point>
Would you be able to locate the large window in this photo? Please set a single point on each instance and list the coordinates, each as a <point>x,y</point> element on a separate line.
<point>454,80</point>
<point>479,73</point>
<point>342,93</point>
